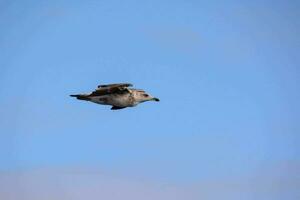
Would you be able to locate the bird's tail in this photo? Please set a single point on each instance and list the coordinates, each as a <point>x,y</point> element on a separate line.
<point>81,96</point>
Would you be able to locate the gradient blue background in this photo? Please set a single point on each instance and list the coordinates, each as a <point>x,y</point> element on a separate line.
<point>227,74</point>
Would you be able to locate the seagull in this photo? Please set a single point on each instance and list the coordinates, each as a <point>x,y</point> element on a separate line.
<point>118,95</point>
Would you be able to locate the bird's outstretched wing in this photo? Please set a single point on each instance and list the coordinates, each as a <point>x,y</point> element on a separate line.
<point>118,88</point>
<point>116,85</point>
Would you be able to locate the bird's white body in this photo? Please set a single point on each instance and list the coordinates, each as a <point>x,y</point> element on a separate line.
<point>120,100</point>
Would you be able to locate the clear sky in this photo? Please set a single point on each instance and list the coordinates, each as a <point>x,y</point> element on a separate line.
<point>227,74</point>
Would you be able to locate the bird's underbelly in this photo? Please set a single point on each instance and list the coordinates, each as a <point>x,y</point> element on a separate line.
<point>114,100</point>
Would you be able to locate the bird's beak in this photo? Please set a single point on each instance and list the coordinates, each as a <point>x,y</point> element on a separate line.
<point>155,99</point>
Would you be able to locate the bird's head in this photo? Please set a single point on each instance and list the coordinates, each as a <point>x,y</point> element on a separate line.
<point>141,96</point>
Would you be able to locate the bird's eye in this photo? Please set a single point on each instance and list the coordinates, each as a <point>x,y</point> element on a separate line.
<point>146,95</point>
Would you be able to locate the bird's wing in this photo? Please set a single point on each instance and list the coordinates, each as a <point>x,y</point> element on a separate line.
<point>117,108</point>
<point>116,85</point>
<point>119,88</point>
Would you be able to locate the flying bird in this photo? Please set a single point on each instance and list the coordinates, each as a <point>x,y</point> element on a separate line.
<point>118,95</point>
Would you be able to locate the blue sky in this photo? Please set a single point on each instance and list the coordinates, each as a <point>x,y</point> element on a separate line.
<point>227,74</point>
